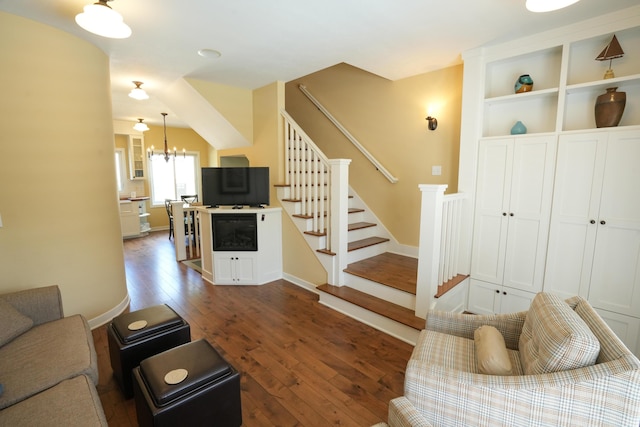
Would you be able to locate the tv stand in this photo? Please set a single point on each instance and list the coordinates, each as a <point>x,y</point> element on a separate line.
<point>243,267</point>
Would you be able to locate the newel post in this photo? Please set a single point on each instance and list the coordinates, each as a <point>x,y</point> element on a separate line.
<point>429,246</point>
<point>338,218</point>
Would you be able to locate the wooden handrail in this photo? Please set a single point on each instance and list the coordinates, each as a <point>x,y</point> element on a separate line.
<point>350,137</point>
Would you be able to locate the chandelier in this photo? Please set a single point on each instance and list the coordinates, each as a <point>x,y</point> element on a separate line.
<point>166,153</point>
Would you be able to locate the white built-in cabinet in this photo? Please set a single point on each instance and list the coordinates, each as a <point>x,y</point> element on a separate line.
<point>513,201</point>
<point>575,228</point>
<point>594,246</point>
<point>236,267</point>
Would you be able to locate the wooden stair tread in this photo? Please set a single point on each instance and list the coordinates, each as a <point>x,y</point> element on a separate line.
<point>450,284</point>
<point>393,270</point>
<point>369,241</point>
<point>360,225</point>
<point>384,308</point>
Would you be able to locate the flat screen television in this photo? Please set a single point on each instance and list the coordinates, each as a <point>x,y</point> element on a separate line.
<point>237,187</point>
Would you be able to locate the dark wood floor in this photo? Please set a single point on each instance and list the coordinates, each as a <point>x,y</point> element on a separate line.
<point>301,364</point>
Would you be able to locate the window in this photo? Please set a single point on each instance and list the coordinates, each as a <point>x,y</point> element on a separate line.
<point>172,179</point>
<point>120,169</point>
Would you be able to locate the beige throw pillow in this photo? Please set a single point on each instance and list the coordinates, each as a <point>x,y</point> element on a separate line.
<point>491,351</point>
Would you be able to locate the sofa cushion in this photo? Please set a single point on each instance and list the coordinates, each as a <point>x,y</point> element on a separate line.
<point>491,352</point>
<point>44,356</point>
<point>13,323</point>
<point>73,402</point>
<point>554,338</point>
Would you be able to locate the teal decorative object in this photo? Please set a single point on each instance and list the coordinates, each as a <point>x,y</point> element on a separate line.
<point>523,84</point>
<point>518,129</point>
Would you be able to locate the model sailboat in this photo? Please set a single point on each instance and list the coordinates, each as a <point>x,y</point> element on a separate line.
<point>612,51</point>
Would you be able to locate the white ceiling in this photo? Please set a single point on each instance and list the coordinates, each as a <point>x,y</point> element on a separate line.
<point>263,41</point>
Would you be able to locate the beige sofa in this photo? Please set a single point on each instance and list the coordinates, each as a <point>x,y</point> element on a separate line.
<point>568,369</point>
<point>48,365</point>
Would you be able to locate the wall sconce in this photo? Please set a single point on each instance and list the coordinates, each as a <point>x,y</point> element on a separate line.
<point>433,122</point>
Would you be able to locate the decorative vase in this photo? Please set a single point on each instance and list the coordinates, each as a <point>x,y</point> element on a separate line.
<point>523,84</point>
<point>518,129</point>
<point>609,108</point>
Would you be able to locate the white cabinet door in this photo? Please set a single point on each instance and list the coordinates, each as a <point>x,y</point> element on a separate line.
<point>576,203</point>
<point>529,212</point>
<point>615,277</point>
<point>489,298</point>
<point>492,203</point>
<point>594,244</point>
<point>513,203</point>
<point>234,268</point>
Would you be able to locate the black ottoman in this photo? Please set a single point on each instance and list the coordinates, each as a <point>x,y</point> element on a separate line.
<point>137,335</point>
<point>190,385</point>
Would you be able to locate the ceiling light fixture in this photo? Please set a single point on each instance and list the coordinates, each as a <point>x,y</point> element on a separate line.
<point>100,19</point>
<point>548,5</point>
<point>137,92</point>
<point>140,126</point>
<point>166,153</point>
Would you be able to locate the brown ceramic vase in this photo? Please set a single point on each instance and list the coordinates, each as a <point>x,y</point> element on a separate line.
<point>609,108</point>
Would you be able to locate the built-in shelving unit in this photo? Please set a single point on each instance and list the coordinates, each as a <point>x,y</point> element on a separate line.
<point>559,112</point>
<point>567,81</point>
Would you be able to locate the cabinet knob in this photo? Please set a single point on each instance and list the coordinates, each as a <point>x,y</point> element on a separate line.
<point>504,292</point>
<point>593,221</point>
<point>497,291</point>
<point>504,214</point>
<point>510,213</point>
<point>603,222</point>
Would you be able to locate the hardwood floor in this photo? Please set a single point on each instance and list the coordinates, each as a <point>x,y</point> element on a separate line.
<point>301,364</point>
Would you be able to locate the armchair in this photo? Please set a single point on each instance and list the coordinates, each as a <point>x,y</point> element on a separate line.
<point>443,386</point>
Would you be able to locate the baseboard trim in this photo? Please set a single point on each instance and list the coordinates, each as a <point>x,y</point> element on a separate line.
<point>106,317</point>
<point>301,283</point>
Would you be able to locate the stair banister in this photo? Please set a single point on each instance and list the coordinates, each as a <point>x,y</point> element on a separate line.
<point>429,246</point>
<point>350,137</point>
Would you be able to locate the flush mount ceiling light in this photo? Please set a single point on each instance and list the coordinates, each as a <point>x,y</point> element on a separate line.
<point>137,92</point>
<point>100,19</point>
<point>209,53</point>
<point>140,126</point>
<point>548,5</point>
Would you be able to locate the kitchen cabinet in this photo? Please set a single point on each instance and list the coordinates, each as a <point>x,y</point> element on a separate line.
<point>134,217</point>
<point>137,157</point>
<point>513,203</point>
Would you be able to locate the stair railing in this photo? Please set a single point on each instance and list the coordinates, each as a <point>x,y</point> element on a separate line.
<point>392,179</point>
<point>440,242</point>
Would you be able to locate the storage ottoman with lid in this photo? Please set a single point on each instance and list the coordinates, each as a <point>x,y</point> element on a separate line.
<point>188,385</point>
<point>139,334</point>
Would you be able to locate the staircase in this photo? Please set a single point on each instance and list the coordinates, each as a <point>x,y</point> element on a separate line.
<point>368,278</point>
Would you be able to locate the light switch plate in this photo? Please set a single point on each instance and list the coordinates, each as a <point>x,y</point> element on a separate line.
<point>436,170</point>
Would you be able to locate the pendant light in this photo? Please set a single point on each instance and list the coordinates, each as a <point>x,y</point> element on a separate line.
<point>548,5</point>
<point>100,19</point>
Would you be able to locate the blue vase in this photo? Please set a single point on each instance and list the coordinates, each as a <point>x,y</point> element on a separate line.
<point>523,84</point>
<point>518,129</point>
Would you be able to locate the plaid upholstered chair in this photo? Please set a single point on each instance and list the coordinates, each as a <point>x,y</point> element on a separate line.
<point>557,364</point>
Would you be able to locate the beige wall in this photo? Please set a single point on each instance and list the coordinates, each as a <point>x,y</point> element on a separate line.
<point>58,197</point>
<point>298,258</point>
<point>388,118</point>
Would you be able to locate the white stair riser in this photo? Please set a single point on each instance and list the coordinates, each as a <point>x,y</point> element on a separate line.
<point>402,332</point>
<point>362,233</point>
<point>368,252</point>
<point>395,296</point>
